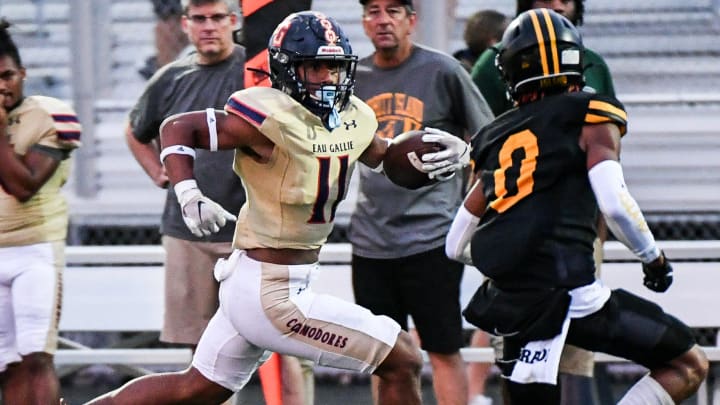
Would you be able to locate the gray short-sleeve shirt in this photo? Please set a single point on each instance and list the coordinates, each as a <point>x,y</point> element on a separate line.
<point>181,86</point>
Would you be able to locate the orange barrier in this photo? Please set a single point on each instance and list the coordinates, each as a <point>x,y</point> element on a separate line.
<point>257,63</point>
<point>251,6</point>
<point>271,380</point>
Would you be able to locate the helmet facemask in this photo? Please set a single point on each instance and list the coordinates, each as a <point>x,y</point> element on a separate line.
<point>322,98</point>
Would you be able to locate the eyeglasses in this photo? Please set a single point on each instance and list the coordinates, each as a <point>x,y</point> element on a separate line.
<point>216,18</point>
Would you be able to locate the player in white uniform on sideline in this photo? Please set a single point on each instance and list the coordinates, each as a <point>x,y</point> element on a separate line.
<point>296,145</point>
<point>37,137</point>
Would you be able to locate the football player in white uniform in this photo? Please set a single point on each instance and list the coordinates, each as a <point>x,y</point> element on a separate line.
<point>38,135</point>
<point>295,145</point>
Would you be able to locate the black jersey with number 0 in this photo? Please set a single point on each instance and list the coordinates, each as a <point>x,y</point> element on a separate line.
<point>539,226</point>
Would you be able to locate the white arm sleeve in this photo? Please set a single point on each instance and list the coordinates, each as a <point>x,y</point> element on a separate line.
<point>457,242</point>
<point>621,211</point>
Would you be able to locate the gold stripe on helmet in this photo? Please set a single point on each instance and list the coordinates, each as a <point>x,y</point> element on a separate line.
<point>597,119</point>
<point>553,40</point>
<point>540,41</point>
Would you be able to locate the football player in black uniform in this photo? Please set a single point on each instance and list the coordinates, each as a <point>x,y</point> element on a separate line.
<point>543,169</point>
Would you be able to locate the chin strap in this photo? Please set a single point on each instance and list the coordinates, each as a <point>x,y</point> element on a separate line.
<point>333,119</point>
<point>326,95</point>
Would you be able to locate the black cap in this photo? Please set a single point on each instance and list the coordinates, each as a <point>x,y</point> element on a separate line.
<point>403,2</point>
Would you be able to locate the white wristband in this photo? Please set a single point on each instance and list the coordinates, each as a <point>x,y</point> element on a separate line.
<point>212,128</point>
<point>177,150</point>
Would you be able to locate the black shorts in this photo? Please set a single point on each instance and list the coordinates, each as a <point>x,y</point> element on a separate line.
<point>633,328</point>
<point>627,326</point>
<point>425,286</point>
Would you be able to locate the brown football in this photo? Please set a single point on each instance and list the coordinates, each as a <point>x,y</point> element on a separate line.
<point>403,160</point>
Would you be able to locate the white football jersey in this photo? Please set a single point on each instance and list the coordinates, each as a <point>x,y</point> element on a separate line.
<point>50,123</point>
<point>291,200</point>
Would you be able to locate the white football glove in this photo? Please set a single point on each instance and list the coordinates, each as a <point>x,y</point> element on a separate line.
<point>443,165</point>
<point>202,215</point>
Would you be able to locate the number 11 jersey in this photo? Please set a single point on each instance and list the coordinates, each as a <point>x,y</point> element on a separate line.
<point>291,200</point>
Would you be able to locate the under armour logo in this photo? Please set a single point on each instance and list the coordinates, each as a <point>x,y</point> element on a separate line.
<point>349,124</point>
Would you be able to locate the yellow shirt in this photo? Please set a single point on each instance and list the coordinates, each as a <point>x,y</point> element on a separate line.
<point>291,200</point>
<point>50,123</point>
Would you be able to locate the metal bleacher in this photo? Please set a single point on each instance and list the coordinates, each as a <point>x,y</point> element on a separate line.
<point>41,30</point>
<point>662,53</point>
<point>651,46</point>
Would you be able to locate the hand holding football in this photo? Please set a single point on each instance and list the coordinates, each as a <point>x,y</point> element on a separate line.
<point>403,160</point>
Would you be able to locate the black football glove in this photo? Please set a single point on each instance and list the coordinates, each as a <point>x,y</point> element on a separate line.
<point>658,277</point>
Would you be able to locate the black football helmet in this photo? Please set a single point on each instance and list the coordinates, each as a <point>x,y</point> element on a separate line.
<point>541,51</point>
<point>312,36</point>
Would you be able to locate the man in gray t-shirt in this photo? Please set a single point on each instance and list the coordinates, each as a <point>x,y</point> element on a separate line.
<point>398,235</point>
<point>203,79</point>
